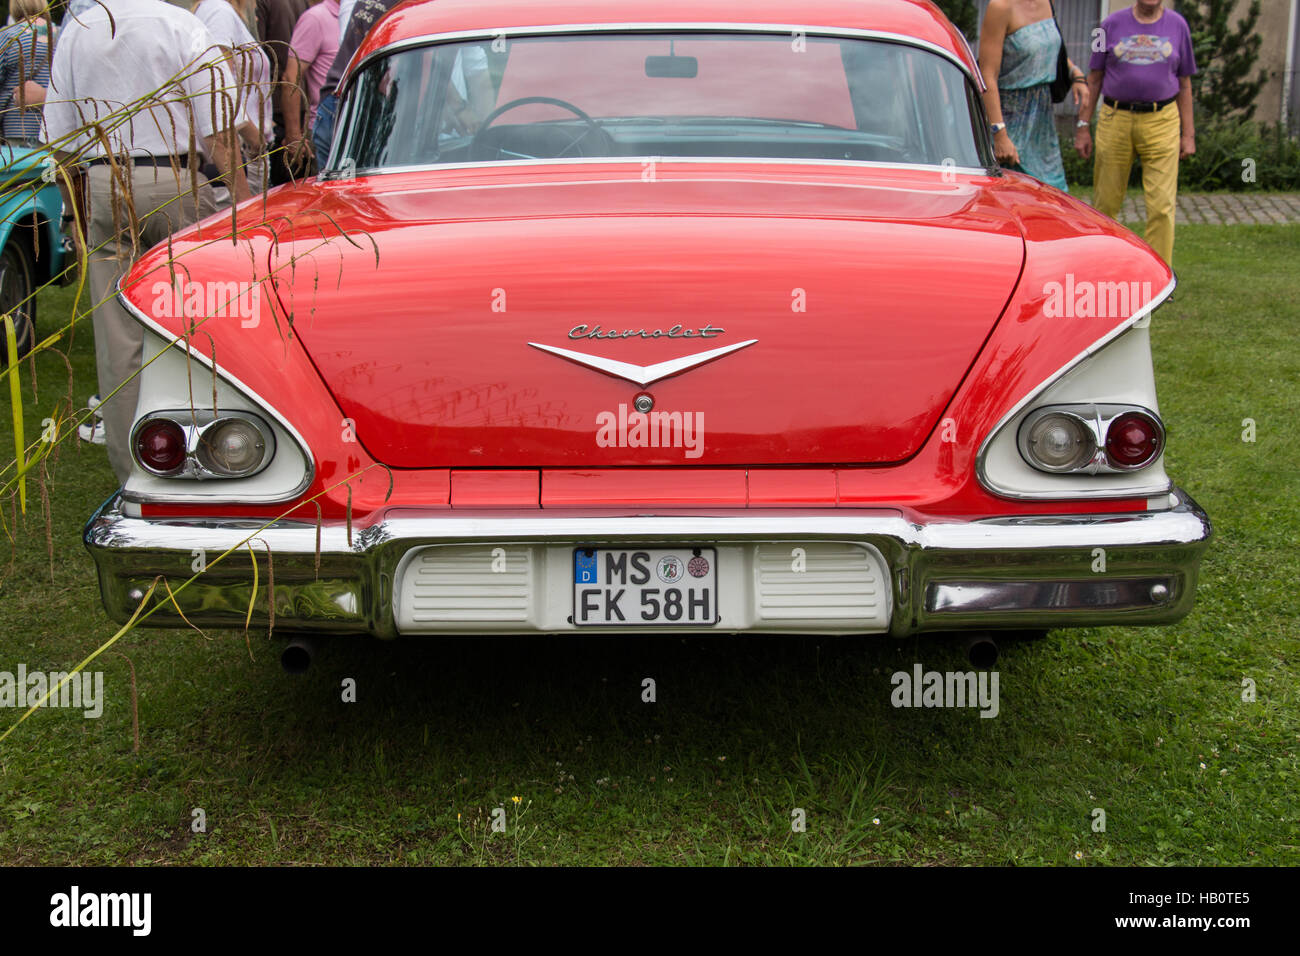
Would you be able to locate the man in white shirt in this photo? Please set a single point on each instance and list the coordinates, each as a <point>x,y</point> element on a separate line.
<point>252,71</point>
<point>146,81</point>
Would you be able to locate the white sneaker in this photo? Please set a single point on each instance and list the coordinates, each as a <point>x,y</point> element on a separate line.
<point>93,404</point>
<point>93,432</point>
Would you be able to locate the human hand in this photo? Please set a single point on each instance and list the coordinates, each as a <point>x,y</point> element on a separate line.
<point>1004,150</point>
<point>1083,142</point>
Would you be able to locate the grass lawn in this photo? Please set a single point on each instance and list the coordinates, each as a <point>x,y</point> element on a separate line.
<point>1147,724</point>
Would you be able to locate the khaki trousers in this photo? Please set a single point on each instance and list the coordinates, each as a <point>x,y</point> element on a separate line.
<point>162,205</point>
<point>1122,136</point>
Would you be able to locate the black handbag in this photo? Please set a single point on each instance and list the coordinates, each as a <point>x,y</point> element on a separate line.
<point>1061,85</point>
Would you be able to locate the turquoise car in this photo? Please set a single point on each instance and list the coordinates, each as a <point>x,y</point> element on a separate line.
<point>33,249</point>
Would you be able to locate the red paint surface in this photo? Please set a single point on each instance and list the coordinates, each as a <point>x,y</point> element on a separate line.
<point>495,489</point>
<point>924,303</point>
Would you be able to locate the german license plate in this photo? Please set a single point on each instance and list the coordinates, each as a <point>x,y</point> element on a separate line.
<point>631,586</point>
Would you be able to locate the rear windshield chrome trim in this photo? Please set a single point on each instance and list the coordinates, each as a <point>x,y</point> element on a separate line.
<point>640,161</point>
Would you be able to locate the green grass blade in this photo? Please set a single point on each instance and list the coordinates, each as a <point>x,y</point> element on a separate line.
<point>16,398</point>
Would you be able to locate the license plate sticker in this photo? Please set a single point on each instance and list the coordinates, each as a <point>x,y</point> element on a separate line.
<point>645,586</point>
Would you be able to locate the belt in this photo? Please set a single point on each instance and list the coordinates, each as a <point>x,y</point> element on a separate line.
<point>178,160</point>
<point>1147,107</point>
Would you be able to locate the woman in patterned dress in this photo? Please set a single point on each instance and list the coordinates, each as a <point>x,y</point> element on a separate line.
<point>1019,45</point>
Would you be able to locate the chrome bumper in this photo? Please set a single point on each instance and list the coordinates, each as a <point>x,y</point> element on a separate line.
<point>1001,573</point>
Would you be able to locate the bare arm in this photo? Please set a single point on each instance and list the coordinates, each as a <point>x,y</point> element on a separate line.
<point>992,35</point>
<point>1079,88</point>
<point>30,93</point>
<point>248,130</point>
<point>291,100</point>
<point>1187,142</point>
<point>1082,137</point>
<point>231,167</point>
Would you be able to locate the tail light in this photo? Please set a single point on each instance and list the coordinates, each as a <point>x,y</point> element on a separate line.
<point>200,445</point>
<point>1091,439</point>
<point>231,447</point>
<point>1060,442</point>
<point>160,446</point>
<point>1133,440</point>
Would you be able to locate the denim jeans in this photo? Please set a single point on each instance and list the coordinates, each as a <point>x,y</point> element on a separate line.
<point>322,131</point>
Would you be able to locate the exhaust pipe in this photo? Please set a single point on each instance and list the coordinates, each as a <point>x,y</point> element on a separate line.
<point>298,654</point>
<point>982,651</point>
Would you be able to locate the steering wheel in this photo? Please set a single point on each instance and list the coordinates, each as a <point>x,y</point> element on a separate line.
<point>476,147</point>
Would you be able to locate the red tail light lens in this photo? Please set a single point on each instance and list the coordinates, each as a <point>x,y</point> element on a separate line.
<point>160,446</point>
<point>1133,440</point>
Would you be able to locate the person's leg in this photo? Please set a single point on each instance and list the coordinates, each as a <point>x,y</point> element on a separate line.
<point>118,337</point>
<point>1157,140</point>
<point>161,207</point>
<point>322,132</point>
<point>1112,160</point>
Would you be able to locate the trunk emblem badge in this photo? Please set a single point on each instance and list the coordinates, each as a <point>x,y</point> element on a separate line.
<point>642,375</point>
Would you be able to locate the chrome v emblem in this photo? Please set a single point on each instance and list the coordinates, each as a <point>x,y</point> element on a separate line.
<point>642,375</point>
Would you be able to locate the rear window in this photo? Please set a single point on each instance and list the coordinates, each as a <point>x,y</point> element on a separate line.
<point>608,95</point>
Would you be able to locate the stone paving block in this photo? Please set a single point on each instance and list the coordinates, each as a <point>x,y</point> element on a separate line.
<point>1220,209</point>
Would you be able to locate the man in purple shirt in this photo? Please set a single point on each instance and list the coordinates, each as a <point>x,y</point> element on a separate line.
<point>1141,81</point>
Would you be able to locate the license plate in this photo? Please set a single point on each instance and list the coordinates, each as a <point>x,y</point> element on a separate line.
<point>631,586</point>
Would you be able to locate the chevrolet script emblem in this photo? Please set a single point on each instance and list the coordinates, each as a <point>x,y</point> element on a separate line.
<point>642,375</point>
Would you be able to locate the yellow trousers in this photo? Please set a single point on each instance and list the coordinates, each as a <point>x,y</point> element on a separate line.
<point>1122,136</point>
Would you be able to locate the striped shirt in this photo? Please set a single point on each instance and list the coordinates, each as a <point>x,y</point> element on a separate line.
<point>24,55</point>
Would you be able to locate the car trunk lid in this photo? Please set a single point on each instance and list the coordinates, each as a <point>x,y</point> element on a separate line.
<point>766,320</point>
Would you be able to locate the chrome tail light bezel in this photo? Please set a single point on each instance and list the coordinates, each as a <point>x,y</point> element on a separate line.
<point>1096,419</point>
<point>196,424</point>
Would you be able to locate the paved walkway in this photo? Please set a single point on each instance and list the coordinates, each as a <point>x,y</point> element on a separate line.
<point>1224,209</point>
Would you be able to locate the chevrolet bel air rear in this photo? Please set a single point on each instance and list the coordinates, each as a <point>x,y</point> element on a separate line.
<point>614,316</point>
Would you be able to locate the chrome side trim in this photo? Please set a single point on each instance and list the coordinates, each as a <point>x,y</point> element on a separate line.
<point>981,472</point>
<point>249,393</point>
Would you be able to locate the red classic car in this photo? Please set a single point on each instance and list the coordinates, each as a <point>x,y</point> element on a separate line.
<point>711,316</point>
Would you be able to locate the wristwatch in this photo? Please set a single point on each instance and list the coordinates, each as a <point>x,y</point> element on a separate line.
<point>996,128</point>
